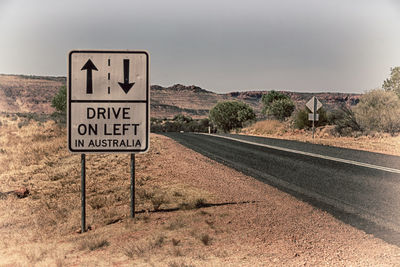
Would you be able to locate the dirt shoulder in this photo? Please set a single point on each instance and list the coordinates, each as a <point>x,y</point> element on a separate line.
<point>193,212</point>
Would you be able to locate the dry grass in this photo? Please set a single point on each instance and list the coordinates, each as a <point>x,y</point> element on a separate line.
<point>42,228</point>
<point>34,155</point>
<point>25,94</point>
<point>326,135</point>
<point>133,250</point>
<point>93,242</point>
<point>266,127</point>
<point>176,224</point>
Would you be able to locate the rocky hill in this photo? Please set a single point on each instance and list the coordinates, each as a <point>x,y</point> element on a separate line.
<point>20,93</point>
<point>196,102</point>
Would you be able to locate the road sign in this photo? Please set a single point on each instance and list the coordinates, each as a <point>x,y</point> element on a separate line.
<point>311,117</point>
<point>108,101</point>
<point>311,104</point>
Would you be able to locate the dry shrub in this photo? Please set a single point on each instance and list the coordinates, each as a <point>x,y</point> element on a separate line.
<point>176,224</point>
<point>177,252</point>
<point>154,195</point>
<point>205,239</point>
<point>48,213</point>
<point>133,250</point>
<point>92,242</point>
<point>159,199</point>
<point>145,193</point>
<point>138,249</point>
<point>265,127</point>
<point>141,181</point>
<point>379,110</point>
<point>157,242</point>
<point>35,255</point>
<point>97,202</point>
<point>194,203</point>
<point>175,242</point>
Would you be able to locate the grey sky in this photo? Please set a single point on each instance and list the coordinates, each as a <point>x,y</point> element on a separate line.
<point>220,45</point>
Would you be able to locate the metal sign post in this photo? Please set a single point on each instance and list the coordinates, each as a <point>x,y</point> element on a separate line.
<point>83,193</point>
<point>132,185</point>
<point>314,117</point>
<point>314,105</point>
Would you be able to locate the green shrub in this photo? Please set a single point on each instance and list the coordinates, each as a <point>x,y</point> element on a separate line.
<point>281,109</point>
<point>301,119</point>
<point>205,123</point>
<point>59,102</point>
<point>231,115</point>
<point>393,83</point>
<point>272,96</point>
<point>277,105</point>
<point>180,118</point>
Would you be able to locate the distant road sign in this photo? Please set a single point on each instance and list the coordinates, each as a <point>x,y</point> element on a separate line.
<point>312,105</point>
<point>311,117</point>
<point>108,101</point>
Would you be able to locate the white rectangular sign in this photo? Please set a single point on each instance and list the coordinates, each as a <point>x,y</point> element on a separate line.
<point>311,116</point>
<point>108,101</point>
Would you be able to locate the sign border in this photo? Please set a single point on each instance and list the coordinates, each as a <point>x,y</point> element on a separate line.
<point>147,101</point>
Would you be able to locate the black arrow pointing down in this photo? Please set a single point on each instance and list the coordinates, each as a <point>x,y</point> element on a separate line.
<point>126,86</point>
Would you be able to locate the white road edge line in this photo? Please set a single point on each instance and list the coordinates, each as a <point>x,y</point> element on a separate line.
<point>367,165</point>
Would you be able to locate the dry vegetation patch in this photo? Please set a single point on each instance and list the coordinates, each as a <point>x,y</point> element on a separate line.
<point>174,225</point>
<point>327,135</point>
<point>28,93</point>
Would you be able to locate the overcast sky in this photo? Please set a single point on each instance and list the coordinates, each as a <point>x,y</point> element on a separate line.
<point>219,45</point>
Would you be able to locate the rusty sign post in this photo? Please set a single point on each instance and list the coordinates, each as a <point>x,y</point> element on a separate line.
<point>108,107</point>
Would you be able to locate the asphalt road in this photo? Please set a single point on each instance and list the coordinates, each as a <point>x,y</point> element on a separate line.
<point>357,187</point>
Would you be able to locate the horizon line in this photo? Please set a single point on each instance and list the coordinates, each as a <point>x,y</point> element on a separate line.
<point>229,92</point>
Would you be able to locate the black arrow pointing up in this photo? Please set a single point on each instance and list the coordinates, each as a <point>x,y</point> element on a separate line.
<point>89,66</point>
<point>126,86</point>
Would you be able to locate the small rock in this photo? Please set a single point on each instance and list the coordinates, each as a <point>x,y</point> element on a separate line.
<point>88,228</point>
<point>21,192</point>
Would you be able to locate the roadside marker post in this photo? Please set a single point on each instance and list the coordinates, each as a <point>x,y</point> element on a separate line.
<point>314,105</point>
<point>108,109</point>
<point>314,117</point>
